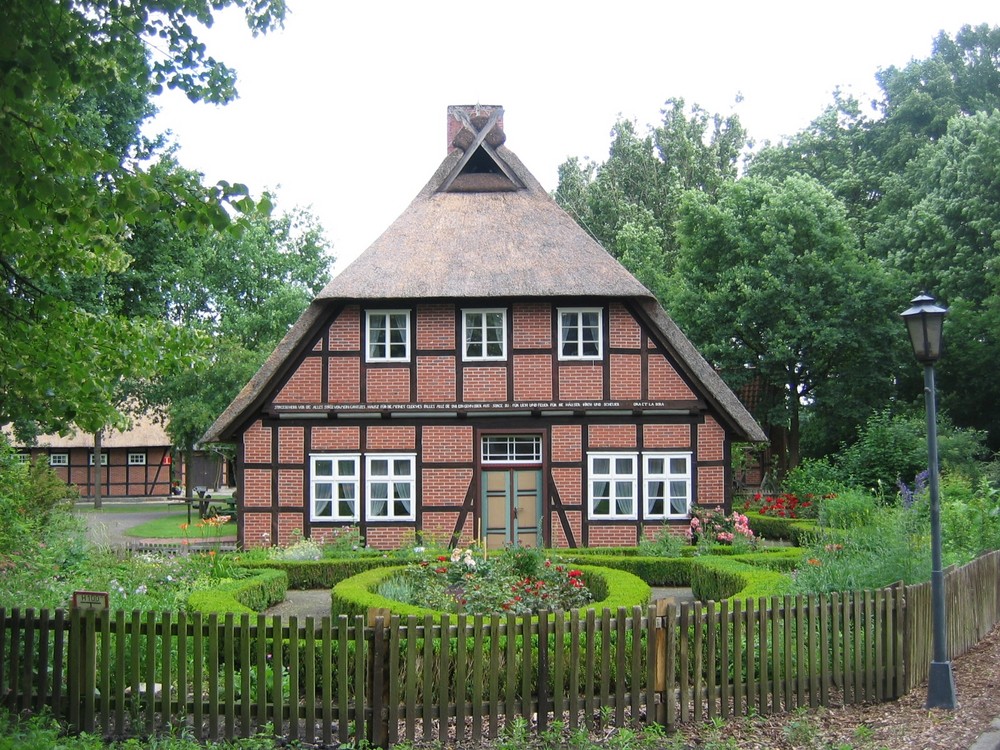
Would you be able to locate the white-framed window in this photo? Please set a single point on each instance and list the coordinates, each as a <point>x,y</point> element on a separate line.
<point>390,484</point>
<point>388,335</point>
<point>333,487</point>
<point>667,483</point>
<point>137,458</point>
<point>485,334</point>
<point>104,458</point>
<point>22,458</point>
<point>512,449</point>
<point>580,333</point>
<point>59,459</point>
<point>613,484</point>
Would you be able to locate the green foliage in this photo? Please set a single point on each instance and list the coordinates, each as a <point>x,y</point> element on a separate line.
<point>715,578</point>
<point>656,571</point>
<point>244,595</point>
<point>890,447</point>
<point>793,530</point>
<point>74,89</point>
<point>318,574</point>
<point>664,543</point>
<point>816,477</point>
<point>970,518</point>
<point>355,596</point>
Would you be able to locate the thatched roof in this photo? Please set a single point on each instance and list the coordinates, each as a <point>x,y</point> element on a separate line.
<point>482,227</point>
<point>146,432</point>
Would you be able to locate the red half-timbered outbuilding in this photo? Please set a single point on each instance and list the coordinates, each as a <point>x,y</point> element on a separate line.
<point>484,371</point>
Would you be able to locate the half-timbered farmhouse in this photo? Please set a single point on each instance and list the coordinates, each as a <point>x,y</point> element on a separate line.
<point>484,371</point>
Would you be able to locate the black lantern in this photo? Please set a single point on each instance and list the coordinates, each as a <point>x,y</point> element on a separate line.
<point>923,321</point>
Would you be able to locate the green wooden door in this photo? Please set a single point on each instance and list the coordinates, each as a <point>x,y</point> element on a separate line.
<point>512,508</point>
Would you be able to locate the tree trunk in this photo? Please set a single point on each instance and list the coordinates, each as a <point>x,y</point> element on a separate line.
<point>98,475</point>
<point>793,431</point>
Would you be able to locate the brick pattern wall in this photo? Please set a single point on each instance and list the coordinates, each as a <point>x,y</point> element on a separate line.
<point>444,486</point>
<point>257,444</point>
<point>290,528</point>
<point>611,436</point>
<point>567,441</point>
<point>711,486</point>
<point>581,382</point>
<point>446,444</point>
<point>559,538</point>
<point>391,438</point>
<point>389,384</point>
<point>257,488</point>
<point>664,382</point>
<point>532,325</point>
<point>624,331</point>
<point>435,327</point>
<point>568,484</point>
<point>291,445</point>
<point>345,331</point>
<point>664,436</point>
<point>626,376</point>
<point>611,535</point>
<point>711,441</point>
<point>344,380</point>
<point>257,530</point>
<point>436,379</point>
<point>290,483</point>
<point>335,438</point>
<point>532,377</point>
<point>303,387</point>
<point>484,384</point>
<point>439,526</point>
<point>389,537</point>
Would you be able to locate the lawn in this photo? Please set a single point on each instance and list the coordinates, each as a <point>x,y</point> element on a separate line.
<point>175,526</point>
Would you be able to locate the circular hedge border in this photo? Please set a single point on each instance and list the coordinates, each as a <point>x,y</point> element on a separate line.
<point>356,595</point>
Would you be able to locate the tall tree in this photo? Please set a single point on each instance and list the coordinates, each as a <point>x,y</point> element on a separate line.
<point>75,84</point>
<point>771,286</point>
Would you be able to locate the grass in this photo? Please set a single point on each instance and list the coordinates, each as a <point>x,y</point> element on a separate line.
<point>173,527</point>
<point>174,506</point>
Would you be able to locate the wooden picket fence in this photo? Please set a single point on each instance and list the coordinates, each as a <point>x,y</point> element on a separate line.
<point>462,678</point>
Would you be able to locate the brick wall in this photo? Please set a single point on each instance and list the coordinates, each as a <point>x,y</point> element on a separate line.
<point>290,483</point>
<point>305,384</point>
<point>625,332</point>
<point>439,526</point>
<point>711,486</point>
<point>559,538</point>
<point>444,486</point>
<point>436,380</point>
<point>664,382</point>
<point>611,535</point>
<point>257,530</point>
<point>567,440</point>
<point>345,331</point>
<point>389,537</point>
<point>436,327</point>
<point>567,481</point>
<point>391,438</point>
<point>257,444</point>
<point>389,384</point>
<point>532,377</point>
<point>257,488</point>
<point>673,436</point>
<point>335,438</point>
<point>711,441</point>
<point>626,377</point>
<point>446,444</point>
<point>484,384</point>
<point>290,528</point>
<point>581,382</point>
<point>344,380</point>
<point>611,436</point>
<point>291,445</point>
<point>532,325</point>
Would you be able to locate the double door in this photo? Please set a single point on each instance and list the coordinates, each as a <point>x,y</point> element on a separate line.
<point>512,507</point>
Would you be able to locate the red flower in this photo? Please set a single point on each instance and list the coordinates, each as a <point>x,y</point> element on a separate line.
<point>441,570</point>
<point>442,558</point>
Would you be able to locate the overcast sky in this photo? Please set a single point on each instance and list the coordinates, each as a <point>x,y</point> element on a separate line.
<point>343,111</point>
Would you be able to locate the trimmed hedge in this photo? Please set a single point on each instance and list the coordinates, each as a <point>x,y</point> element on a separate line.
<point>795,530</point>
<point>356,595</point>
<point>656,571</point>
<point>716,578</point>
<point>239,595</point>
<point>321,574</point>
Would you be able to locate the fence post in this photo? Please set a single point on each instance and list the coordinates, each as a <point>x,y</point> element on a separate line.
<point>660,661</point>
<point>378,678</point>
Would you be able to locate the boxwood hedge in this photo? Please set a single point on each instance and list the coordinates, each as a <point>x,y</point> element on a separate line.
<point>238,595</point>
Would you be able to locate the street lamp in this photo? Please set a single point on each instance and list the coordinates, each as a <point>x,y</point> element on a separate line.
<point>924,321</point>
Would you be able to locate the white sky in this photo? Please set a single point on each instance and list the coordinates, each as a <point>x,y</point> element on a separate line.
<point>344,110</point>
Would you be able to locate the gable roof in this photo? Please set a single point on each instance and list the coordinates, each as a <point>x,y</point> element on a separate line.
<point>483,227</point>
<point>146,432</point>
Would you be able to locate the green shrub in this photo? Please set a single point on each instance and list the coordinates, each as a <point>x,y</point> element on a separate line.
<point>253,594</point>
<point>716,578</point>
<point>319,574</point>
<point>656,571</point>
<point>794,530</point>
<point>355,596</point>
<point>849,510</point>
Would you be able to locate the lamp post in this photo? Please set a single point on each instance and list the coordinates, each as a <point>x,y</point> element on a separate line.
<point>924,321</point>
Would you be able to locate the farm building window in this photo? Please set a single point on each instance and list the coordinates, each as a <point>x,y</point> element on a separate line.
<point>512,449</point>
<point>390,483</point>
<point>388,335</point>
<point>137,458</point>
<point>333,487</point>
<point>580,333</point>
<point>58,459</point>
<point>667,481</point>
<point>613,482</point>
<point>104,458</point>
<point>22,458</point>
<point>485,334</point>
